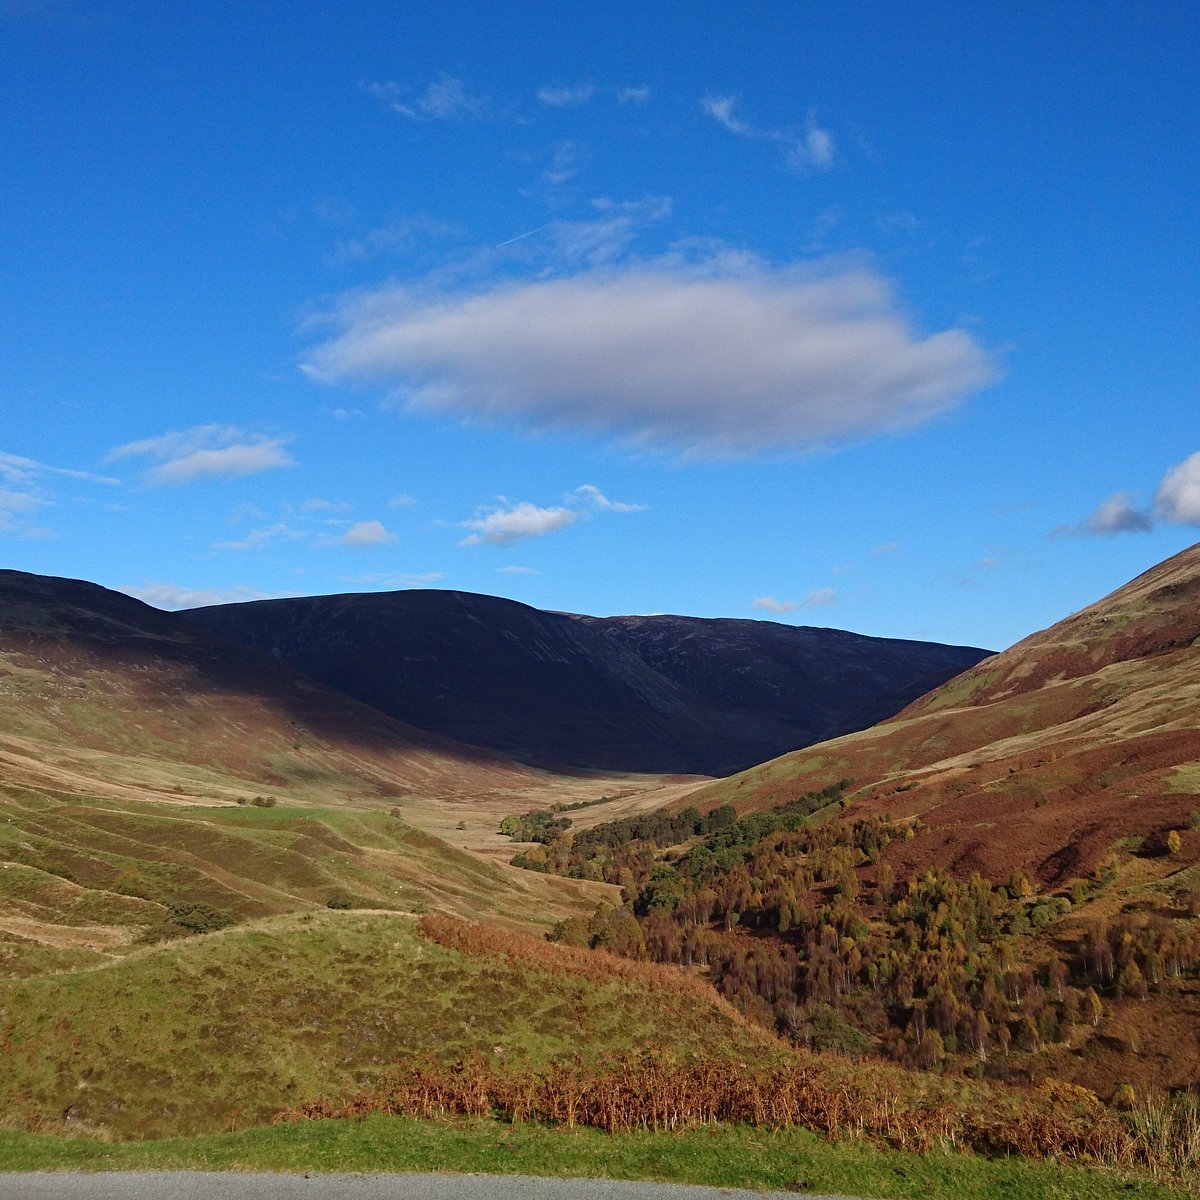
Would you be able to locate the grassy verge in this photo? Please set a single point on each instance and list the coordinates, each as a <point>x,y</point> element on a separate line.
<point>720,1156</point>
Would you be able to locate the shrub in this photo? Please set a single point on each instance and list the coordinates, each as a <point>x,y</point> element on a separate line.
<point>183,919</point>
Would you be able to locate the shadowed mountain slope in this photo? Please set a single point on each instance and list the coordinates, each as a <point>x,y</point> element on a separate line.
<point>102,692</point>
<point>653,694</point>
<point>1043,757</point>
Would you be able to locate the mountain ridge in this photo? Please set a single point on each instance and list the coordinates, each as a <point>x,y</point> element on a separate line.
<point>569,691</point>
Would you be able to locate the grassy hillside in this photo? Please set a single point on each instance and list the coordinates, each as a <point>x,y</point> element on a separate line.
<point>224,1030</point>
<point>84,882</point>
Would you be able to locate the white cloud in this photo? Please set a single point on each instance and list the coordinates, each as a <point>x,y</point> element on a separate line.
<point>206,452</point>
<point>812,148</point>
<point>1118,514</point>
<point>772,605</point>
<point>368,533</point>
<point>514,523</point>
<point>633,95</point>
<point>808,147</point>
<point>316,504</point>
<point>885,548</point>
<point>564,166</point>
<point>567,97</point>
<point>445,99</point>
<point>721,357</point>
<point>1176,501</point>
<point>599,241</point>
<point>505,523</point>
<point>402,500</point>
<point>821,598</point>
<point>14,505</point>
<point>1178,496</point>
<point>15,469</point>
<point>257,538</point>
<point>26,487</point>
<point>598,500</point>
<point>517,571</point>
<point>720,108</point>
<point>398,235</point>
<point>172,596</point>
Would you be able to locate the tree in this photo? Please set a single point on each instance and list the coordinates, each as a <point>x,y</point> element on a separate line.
<point>932,1050</point>
<point>1131,982</point>
<point>1174,842</point>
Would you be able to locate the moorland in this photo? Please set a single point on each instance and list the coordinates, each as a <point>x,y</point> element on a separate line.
<point>273,863</point>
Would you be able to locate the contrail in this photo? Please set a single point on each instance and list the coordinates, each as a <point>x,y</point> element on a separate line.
<point>528,233</point>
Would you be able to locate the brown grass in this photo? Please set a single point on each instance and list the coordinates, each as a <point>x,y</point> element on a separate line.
<point>656,1092</point>
<point>596,966</point>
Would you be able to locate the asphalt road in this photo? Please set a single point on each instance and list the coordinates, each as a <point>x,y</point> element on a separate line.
<point>223,1185</point>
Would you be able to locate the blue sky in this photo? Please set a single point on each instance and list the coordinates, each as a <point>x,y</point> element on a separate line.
<point>878,316</point>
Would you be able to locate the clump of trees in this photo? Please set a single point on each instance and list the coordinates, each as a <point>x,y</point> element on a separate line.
<point>807,929</point>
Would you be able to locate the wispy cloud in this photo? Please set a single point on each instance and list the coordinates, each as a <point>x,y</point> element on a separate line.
<point>445,99</point>
<point>577,94</point>
<point>14,468</point>
<point>720,108</point>
<point>567,97</point>
<point>173,596</point>
<point>504,523</point>
<point>593,496</point>
<point>566,160</point>
<point>805,147</point>
<point>773,605</point>
<point>256,539</point>
<point>517,571</point>
<point>15,505</point>
<point>27,486</point>
<point>397,235</point>
<point>884,549</point>
<point>316,504</point>
<point>821,598</point>
<point>205,452</point>
<point>718,356</point>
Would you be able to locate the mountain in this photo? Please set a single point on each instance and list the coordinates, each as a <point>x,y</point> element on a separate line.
<point>100,692</point>
<point>558,690</point>
<point>1079,738</point>
<point>156,779</point>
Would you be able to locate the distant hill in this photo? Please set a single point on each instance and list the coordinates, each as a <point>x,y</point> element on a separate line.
<point>1041,757</point>
<point>557,690</point>
<point>102,693</point>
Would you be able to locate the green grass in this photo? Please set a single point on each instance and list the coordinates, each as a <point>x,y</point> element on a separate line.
<point>222,1031</point>
<point>1186,779</point>
<point>80,861</point>
<point>719,1156</point>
